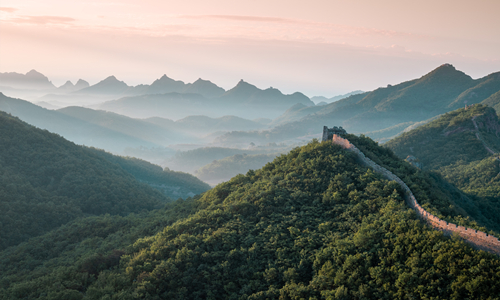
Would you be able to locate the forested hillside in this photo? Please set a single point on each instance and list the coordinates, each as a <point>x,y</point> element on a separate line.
<point>48,181</point>
<point>460,146</point>
<point>312,224</point>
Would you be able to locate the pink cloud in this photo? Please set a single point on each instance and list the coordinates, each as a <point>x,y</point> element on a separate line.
<point>244,18</point>
<point>8,9</point>
<point>43,20</point>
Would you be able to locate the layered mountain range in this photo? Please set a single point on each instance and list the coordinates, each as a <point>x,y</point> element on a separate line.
<point>165,97</point>
<point>384,112</point>
<point>245,100</point>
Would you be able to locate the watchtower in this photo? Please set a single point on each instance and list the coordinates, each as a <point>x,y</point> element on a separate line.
<point>329,132</point>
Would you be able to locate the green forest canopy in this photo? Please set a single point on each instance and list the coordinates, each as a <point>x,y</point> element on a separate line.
<point>312,224</point>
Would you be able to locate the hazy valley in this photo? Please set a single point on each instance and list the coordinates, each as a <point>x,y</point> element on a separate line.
<point>156,121</point>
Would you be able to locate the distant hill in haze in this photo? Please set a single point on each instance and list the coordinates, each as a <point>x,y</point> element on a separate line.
<point>205,88</point>
<point>48,181</point>
<point>165,85</point>
<point>138,129</point>
<point>204,124</point>
<point>396,106</point>
<point>115,133</point>
<point>75,129</point>
<point>30,80</point>
<point>112,86</point>
<point>108,86</point>
<point>319,99</point>
<point>161,131</point>
<point>493,101</point>
<point>249,95</point>
<point>165,97</point>
<point>70,87</point>
<point>170,105</point>
<point>244,100</point>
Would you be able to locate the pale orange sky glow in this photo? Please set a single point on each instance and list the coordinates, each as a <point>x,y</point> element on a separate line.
<point>317,47</point>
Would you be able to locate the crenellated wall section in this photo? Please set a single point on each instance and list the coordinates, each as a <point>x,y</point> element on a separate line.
<point>478,239</point>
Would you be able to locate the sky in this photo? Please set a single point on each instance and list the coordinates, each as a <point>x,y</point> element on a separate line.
<point>318,47</point>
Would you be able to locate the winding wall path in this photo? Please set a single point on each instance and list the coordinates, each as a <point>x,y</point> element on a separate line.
<point>478,239</point>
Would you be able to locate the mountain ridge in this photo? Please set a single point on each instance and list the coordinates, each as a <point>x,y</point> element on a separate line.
<point>31,79</point>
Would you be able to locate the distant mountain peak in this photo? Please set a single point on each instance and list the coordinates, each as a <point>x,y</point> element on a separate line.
<point>271,89</point>
<point>243,83</point>
<point>35,74</point>
<point>31,80</point>
<point>111,78</point>
<point>67,85</point>
<point>199,80</point>
<point>444,69</point>
<point>165,80</point>
<point>243,89</point>
<point>110,85</point>
<point>447,65</point>
<point>165,77</point>
<point>447,72</point>
<point>205,88</point>
<point>81,84</point>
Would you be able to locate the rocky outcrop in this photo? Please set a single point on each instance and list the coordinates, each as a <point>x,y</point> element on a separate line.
<point>476,238</point>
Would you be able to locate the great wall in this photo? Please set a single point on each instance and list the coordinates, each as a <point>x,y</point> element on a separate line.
<point>476,238</point>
